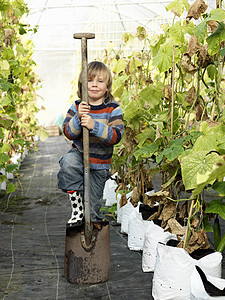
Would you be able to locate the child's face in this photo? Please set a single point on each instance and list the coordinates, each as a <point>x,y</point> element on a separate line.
<point>96,89</point>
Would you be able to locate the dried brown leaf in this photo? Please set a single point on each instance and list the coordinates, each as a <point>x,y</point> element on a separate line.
<point>212,25</point>
<point>123,200</point>
<point>197,240</point>
<point>196,10</point>
<point>204,59</point>
<point>135,197</point>
<point>169,211</point>
<point>193,45</point>
<point>184,211</point>
<point>175,227</point>
<point>199,109</point>
<point>187,65</point>
<point>167,91</point>
<point>190,97</point>
<point>156,197</point>
<point>194,223</point>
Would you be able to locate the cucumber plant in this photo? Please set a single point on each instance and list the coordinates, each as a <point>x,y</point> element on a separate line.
<point>18,87</point>
<point>172,94</point>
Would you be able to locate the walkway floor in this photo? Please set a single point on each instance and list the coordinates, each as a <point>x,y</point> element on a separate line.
<point>32,238</point>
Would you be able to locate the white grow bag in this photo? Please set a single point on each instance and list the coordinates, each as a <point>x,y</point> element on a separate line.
<point>153,235</point>
<point>136,231</point>
<point>173,270</point>
<point>126,211</point>
<point>109,193</point>
<point>198,291</point>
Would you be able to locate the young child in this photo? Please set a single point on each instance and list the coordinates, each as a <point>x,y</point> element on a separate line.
<point>104,120</point>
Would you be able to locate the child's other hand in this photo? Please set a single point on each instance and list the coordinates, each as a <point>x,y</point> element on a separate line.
<point>87,122</point>
<point>83,109</point>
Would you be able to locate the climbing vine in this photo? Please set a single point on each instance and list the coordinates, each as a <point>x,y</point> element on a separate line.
<point>18,86</point>
<point>172,95</point>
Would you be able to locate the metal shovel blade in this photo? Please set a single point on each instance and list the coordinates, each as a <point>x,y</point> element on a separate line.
<point>87,266</point>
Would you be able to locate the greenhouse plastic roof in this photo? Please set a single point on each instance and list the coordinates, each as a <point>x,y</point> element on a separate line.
<point>58,55</point>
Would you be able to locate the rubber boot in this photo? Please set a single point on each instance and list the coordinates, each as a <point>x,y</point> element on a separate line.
<point>77,215</point>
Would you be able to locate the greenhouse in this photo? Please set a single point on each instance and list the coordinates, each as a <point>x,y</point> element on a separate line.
<point>112,151</point>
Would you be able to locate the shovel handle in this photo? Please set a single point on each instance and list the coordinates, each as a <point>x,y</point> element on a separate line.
<point>84,77</point>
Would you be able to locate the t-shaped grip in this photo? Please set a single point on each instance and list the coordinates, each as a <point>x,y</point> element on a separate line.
<point>84,35</point>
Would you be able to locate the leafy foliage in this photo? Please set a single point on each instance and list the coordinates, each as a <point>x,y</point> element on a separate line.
<point>18,86</point>
<point>172,93</point>
<point>173,122</point>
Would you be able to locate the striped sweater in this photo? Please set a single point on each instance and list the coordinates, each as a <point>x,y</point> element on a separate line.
<point>108,131</point>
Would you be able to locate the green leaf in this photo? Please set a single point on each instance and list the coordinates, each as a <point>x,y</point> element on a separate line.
<point>200,31</point>
<point>164,59</point>
<point>5,120</point>
<point>155,43</point>
<point>222,53</point>
<point>207,225</point>
<point>146,151</point>
<point>196,163</point>
<point>178,6</point>
<point>4,5</point>
<point>215,39</point>
<point>22,30</point>
<point>4,85</point>
<point>4,148</point>
<point>219,187</point>
<point>211,71</point>
<point>217,14</point>
<point>152,95</point>
<point>6,101</point>
<point>11,167</point>
<point>146,134</point>
<point>216,207</point>
<point>159,158</point>
<point>138,63</point>
<point>118,66</point>
<point>10,188</point>
<point>4,65</point>
<point>118,85</point>
<point>19,142</point>
<point>1,133</point>
<point>173,152</point>
<point>176,33</point>
<point>211,139</point>
<point>43,135</point>
<point>7,53</point>
<point>4,158</point>
<point>217,173</point>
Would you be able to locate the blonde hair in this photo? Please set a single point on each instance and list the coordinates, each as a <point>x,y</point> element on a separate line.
<point>94,68</point>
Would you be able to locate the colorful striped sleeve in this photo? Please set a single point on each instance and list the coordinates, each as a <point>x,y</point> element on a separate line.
<point>110,133</point>
<point>71,125</point>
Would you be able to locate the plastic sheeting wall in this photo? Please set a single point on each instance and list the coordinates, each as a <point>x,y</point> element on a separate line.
<point>57,54</point>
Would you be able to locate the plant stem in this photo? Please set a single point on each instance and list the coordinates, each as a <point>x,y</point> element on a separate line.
<point>172,108</point>
<point>135,79</point>
<point>187,229</point>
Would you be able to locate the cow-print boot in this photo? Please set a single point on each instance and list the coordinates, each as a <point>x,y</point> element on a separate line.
<point>76,199</point>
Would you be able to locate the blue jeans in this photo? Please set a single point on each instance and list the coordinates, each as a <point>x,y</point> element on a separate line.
<point>71,178</point>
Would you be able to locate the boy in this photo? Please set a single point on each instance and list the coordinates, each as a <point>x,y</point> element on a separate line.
<point>104,120</point>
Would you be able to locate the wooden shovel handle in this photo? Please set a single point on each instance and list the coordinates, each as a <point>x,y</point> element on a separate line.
<point>87,201</point>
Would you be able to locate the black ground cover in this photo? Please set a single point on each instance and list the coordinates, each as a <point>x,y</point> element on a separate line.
<point>32,238</point>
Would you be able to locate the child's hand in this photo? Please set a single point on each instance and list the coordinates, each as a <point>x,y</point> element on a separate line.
<point>87,122</point>
<point>83,109</point>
